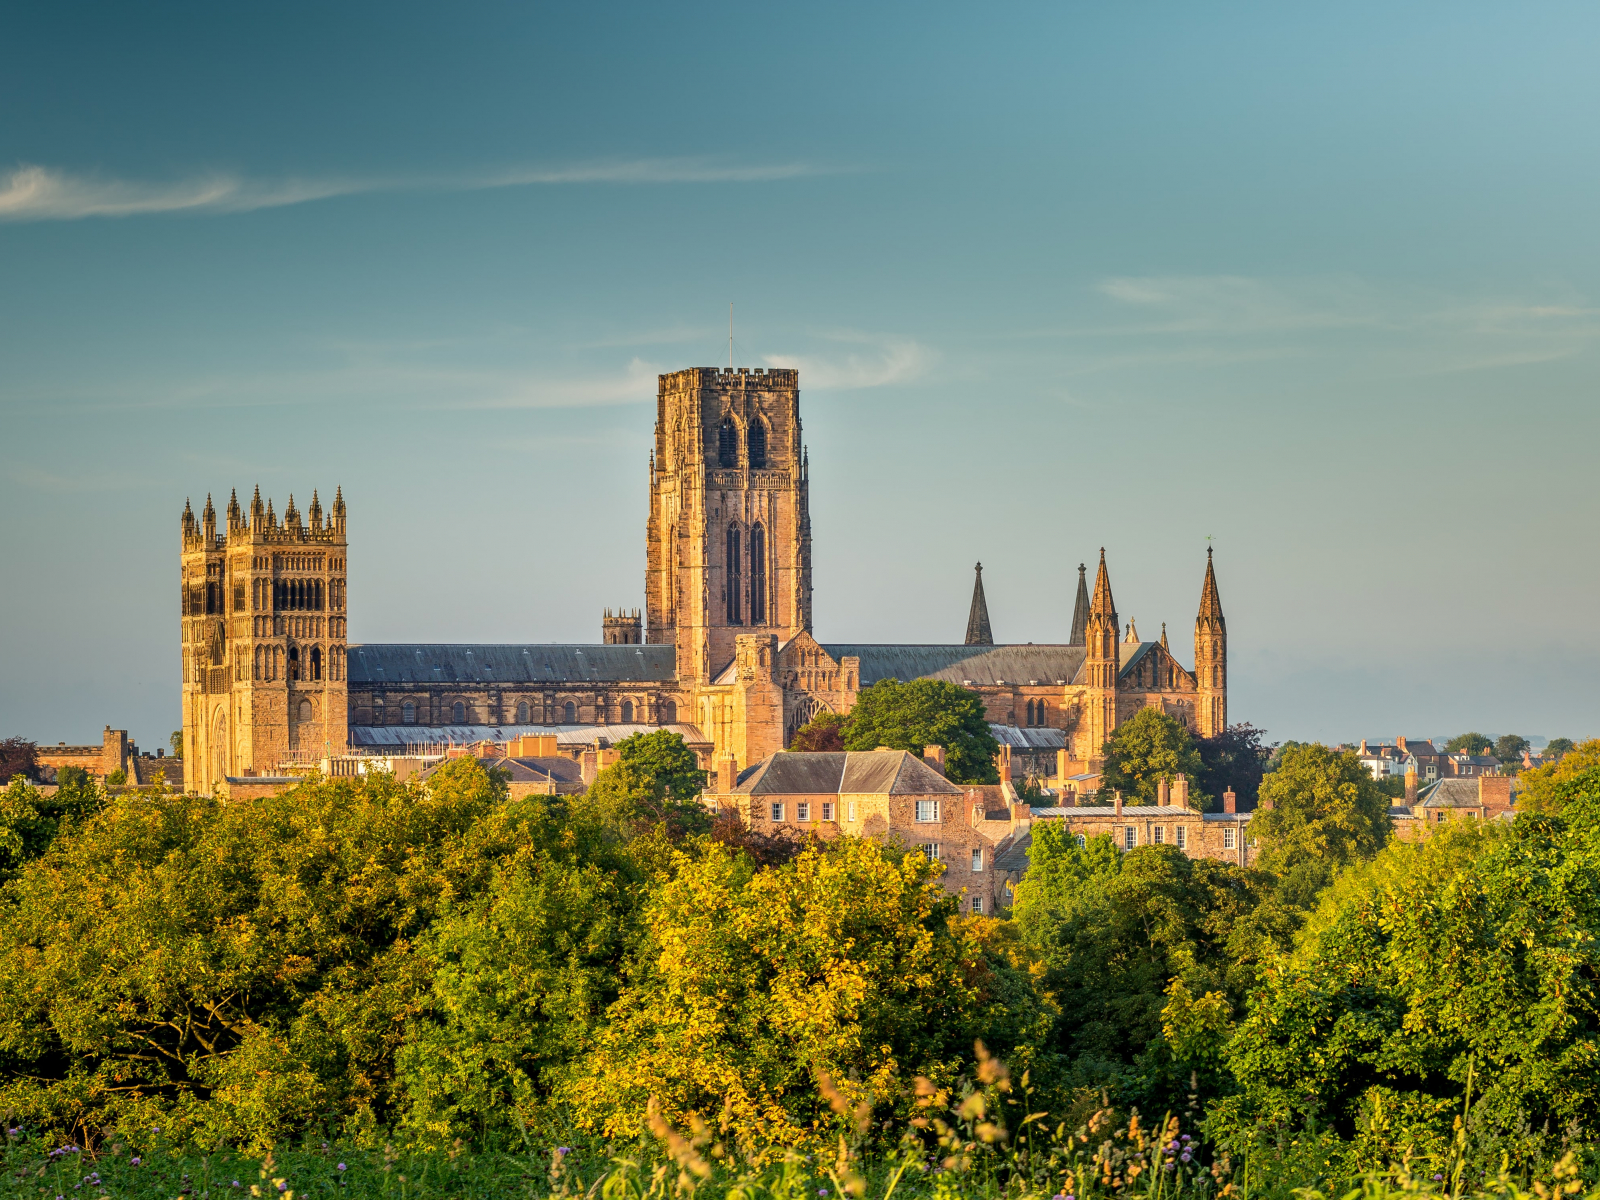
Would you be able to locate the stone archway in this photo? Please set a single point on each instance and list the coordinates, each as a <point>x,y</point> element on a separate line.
<point>804,710</point>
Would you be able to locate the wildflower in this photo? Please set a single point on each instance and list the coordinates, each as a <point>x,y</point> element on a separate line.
<point>235,1183</point>
<point>822,1191</point>
<point>563,1150</point>
<point>1059,1196</point>
<point>1437,1178</point>
<point>341,1166</point>
<point>1186,1156</point>
<point>1187,1138</point>
<point>135,1161</point>
<point>282,1186</point>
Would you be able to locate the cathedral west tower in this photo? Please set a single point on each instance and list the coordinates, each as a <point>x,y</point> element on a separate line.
<point>729,534</point>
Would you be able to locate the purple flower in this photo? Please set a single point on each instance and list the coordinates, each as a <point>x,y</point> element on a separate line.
<point>1187,1138</point>
<point>135,1161</point>
<point>341,1166</point>
<point>1437,1178</point>
<point>563,1150</point>
<point>822,1191</point>
<point>155,1129</point>
<point>235,1183</point>
<point>283,1187</point>
<point>1059,1196</point>
<point>1185,1156</point>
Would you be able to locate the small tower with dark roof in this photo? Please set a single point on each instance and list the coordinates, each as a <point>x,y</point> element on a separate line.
<point>1080,610</point>
<point>978,631</point>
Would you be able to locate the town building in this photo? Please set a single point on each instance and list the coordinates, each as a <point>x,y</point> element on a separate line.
<point>723,650</point>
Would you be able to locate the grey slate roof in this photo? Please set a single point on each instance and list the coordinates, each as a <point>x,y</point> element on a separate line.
<point>983,665</point>
<point>397,737</point>
<point>1451,793</point>
<point>1020,737</point>
<point>434,663</point>
<point>528,770</point>
<point>892,772</point>
<point>1012,854</point>
<point>1129,655</point>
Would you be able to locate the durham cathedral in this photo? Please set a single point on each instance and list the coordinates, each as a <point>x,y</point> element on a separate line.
<point>723,652</point>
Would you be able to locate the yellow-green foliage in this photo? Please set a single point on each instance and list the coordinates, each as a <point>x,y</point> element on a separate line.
<point>846,961</point>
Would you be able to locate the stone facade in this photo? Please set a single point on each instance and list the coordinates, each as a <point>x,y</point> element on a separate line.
<point>723,651</point>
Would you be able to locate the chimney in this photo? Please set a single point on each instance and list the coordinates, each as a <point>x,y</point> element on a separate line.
<point>589,764</point>
<point>1002,762</point>
<point>1494,792</point>
<point>727,775</point>
<point>1363,747</point>
<point>1180,791</point>
<point>1400,744</point>
<point>1117,803</point>
<point>1230,802</point>
<point>934,757</point>
<point>1411,786</point>
<point>1061,769</point>
<point>1163,791</point>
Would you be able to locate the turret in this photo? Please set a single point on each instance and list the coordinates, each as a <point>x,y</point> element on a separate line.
<point>338,510</point>
<point>1211,657</point>
<point>209,522</point>
<point>258,514</point>
<point>314,514</point>
<point>190,527</point>
<point>1101,666</point>
<point>235,517</point>
<point>978,631</point>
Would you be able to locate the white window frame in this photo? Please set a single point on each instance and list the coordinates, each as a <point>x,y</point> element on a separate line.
<point>931,851</point>
<point>777,810</point>
<point>977,905</point>
<point>827,811</point>
<point>1160,835</point>
<point>927,811</point>
<point>1130,837</point>
<point>1183,838</point>
<point>1229,841</point>
<point>1083,840</point>
<point>802,810</point>
<point>852,810</point>
<point>977,860</point>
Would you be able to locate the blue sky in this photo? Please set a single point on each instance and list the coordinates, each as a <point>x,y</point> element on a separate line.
<point>1319,283</point>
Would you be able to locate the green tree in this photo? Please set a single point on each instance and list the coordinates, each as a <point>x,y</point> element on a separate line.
<point>666,761</point>
<point>1147,747</point>
<point>234,971</point>
<point>1469,743</point>
<point>1320,810</point>
<point>1508,748</point>
<point>926,712</point>
<point>1057,868</point>
<point>176,742</point>
<point>1236,759</point>
<point>1552,787</point>
<point>18,756</point>
<point>823,732</point>
<point>848,960</point>
<point>1474,955</point>
<point>31,820</point>
<point>1556,747</point>
<point>654,785</point>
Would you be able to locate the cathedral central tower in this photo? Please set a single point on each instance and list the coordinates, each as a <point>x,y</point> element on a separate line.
<point>729,533</point>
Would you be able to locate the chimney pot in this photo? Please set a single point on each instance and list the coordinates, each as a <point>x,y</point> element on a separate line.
<point>1230,802</point>
<point>1117,803</point>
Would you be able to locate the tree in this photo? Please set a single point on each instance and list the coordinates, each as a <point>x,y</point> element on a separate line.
<point>1469,743</point>
<point>176,742</point>
<point>1147,747</point>
<point>1474,956</point>
<point>1552,787</point>
<point>1236,759</point>
<point>823,732</point>
<point>31,820</point>
<point>1509,747</point>
<point>18,756</point>
<point>926,712</point>
<point>847,960</point>
<point>1556,747</point>
<point>1320,810</point>
<point>666,761</point>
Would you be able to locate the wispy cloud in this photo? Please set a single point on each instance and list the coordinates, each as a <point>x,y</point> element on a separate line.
<point>885,360</point>
<point>36,193</point>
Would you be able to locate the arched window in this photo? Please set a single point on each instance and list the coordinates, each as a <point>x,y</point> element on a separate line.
<point>735,580</point>
<point>316,662</point>
<point>258,661</point>
<point>458,713</point>
<point>627,712</point>
<point>522,712</point>
<point>304,713</point>
<point>1030,712</point>
<point>294,663</point>
<point>569,713</point>
<point>727,443</point>
<point>319,595</point>
<point>758,576</point>
<point>408,713</point>
<point>758,443</point>
<point>669,712</point>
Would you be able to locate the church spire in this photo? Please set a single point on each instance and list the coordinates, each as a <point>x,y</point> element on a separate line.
<point>1103,605</point>
<point>1164,645</point>
<point>1210,602</point>
<point>1080,609</point>
<point>978,631</point>
<point>1211,657</point>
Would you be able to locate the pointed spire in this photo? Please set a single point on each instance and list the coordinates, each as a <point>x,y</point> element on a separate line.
<point>272,518</point>
<point>1164,645</point>
<point>1133,632</point>
<point>1103,605</point>
<point>1210,601</point>
<point>978,632</point>
<point>1080,609</point>
<point>314,513</point>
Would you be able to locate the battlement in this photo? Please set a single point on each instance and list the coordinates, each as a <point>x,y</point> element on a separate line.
<point>622,628</point>
<point>260,524</point>
<point>730,379</point>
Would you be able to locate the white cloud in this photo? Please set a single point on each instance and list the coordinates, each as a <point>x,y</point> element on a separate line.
<point>35,193</point>
<point>887,360</point>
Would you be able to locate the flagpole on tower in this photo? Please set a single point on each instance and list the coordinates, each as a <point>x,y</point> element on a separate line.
<point>730,335</point>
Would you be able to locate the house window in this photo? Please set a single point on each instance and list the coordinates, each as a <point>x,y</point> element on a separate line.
<point>977,858</point>
<point>930,851</point>
<point>852,810</point>
<point>802,811</point>
<point>827,811</point>
<point>1183,838</point>
<point>1228,839</point>
<point>777,811</point>
<point>977,905</point>
<point>1160,832</point>
<point>1082,841</point>
<point>927,810</point>
<point>1130,837</point>
<point>408,713</point>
